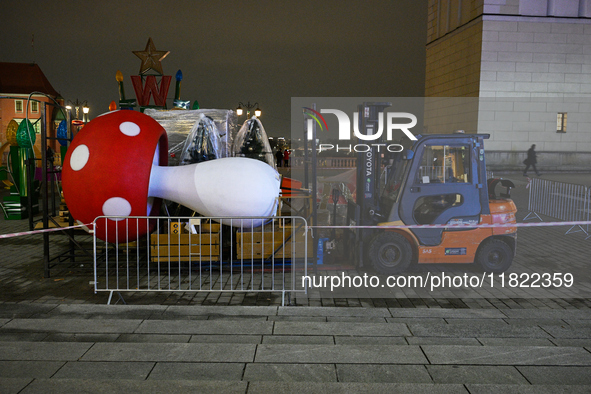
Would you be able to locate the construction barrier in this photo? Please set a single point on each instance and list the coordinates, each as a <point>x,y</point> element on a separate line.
<point>558,200</point>
<point>188,254</point>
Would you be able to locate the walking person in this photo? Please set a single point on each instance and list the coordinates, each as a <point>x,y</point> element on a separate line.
<point>279,157</point>
<point>286,158</point>
<point>531,160</point>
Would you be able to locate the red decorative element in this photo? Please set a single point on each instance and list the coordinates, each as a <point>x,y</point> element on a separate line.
<point>143,93</point>
<point>77,122</point>
<point>115,161</point>
<point>291,187</point>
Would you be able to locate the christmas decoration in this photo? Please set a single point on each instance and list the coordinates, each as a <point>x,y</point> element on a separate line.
<point>203,143</point>
<point>11,130</point>
<point>117,166</point>
<point>62,133</point>
<point>151,58</point>
<point>143,93</point>
<point>178,103</point>
<point>252,142</point>
<point>123,102</point>
<point>25,135</point>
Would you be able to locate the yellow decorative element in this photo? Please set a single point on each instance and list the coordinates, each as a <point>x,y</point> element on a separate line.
<point>3,148</point>
<point>37,154</point>
<point>11,132</point>
<point>151,58</point>
<point>119,76</point>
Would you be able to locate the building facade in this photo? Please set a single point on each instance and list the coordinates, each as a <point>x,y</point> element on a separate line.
<point>517,69</point>
<point>17,82</point>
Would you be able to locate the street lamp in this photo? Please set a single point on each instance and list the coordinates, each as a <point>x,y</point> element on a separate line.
<point>77,105</point>
<point>240,110</point>
<point>85,111</point>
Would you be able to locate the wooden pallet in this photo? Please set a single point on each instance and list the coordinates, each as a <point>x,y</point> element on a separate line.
<point>183,246</point>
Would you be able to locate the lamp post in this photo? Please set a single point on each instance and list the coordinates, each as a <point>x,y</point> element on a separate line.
<point>248,106</point>
<point>77,105</point>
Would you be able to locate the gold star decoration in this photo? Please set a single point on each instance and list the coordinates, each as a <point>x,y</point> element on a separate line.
<point>151,58</point>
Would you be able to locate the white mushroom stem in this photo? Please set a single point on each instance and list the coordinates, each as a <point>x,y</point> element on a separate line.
<point>228,187</point>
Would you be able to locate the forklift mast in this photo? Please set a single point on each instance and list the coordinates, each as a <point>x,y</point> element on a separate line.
<point>369,163</point>
<point>366,208</point>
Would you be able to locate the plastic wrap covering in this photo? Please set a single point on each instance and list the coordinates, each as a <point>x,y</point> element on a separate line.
<point>180,123</point>
<point>203,143</point>
<point>252,141</point>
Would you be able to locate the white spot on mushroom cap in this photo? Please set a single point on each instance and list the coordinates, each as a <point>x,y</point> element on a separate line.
<point>79,157</point>
<point>129,128</point>
<point>116,206</point>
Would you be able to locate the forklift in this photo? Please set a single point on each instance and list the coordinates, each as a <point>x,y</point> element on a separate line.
<point>440,180</point>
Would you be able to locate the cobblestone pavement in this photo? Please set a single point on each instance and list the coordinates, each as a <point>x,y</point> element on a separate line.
<point>540,250</point>
<point>57,336</point>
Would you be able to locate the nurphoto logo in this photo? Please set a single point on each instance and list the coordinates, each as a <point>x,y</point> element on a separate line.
<point>372,129</point>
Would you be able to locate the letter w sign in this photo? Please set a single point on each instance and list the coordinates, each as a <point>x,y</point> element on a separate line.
<point>143,93</point>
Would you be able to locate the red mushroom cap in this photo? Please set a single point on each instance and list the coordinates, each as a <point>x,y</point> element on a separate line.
<point>107,173</point>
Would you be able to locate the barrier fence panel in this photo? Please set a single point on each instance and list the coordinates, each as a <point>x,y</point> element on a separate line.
<point>188,254</point>
<point>558,200</point>
<point>588,211</point>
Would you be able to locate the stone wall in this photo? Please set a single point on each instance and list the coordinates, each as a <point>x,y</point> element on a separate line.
<point>547,161</point>
<point>547,64</point>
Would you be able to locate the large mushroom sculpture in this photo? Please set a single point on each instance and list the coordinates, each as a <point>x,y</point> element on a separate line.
<point>117,167</point>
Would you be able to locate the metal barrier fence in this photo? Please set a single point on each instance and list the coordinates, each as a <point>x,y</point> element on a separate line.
<point>188,254</point>
<point>328,162</point>
<point>558,200</point>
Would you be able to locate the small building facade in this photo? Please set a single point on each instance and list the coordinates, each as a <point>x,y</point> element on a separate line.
<point>17,82</point>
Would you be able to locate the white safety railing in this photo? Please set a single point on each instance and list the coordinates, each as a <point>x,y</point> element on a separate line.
<point>558,200</point>
<point>188,254</point>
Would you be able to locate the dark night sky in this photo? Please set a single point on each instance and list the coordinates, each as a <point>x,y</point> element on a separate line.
<point>229,51</point>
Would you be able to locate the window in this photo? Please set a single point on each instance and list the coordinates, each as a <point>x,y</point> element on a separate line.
<point>428,208</point>
<point>34,106</point>
<point>561,122</point>
<point>395,176</point>
<point>18,105</point>
<point>444,164</point>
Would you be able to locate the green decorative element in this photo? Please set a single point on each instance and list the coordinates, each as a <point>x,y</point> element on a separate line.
<point>63,151</point>
<point>58,114</point>
<point>25,135</point>
<point>195,104</point>
<point>16,204</point>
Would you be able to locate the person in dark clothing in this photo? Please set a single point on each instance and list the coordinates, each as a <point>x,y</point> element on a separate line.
<point>279,157</point>
<point>531,160</point>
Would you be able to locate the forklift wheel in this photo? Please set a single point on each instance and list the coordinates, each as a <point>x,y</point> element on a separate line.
<point>494,256</point>
<point>389,253</point>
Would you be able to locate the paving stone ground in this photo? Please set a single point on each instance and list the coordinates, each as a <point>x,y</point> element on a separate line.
<point>73,348</point>
<point>56,335</point>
